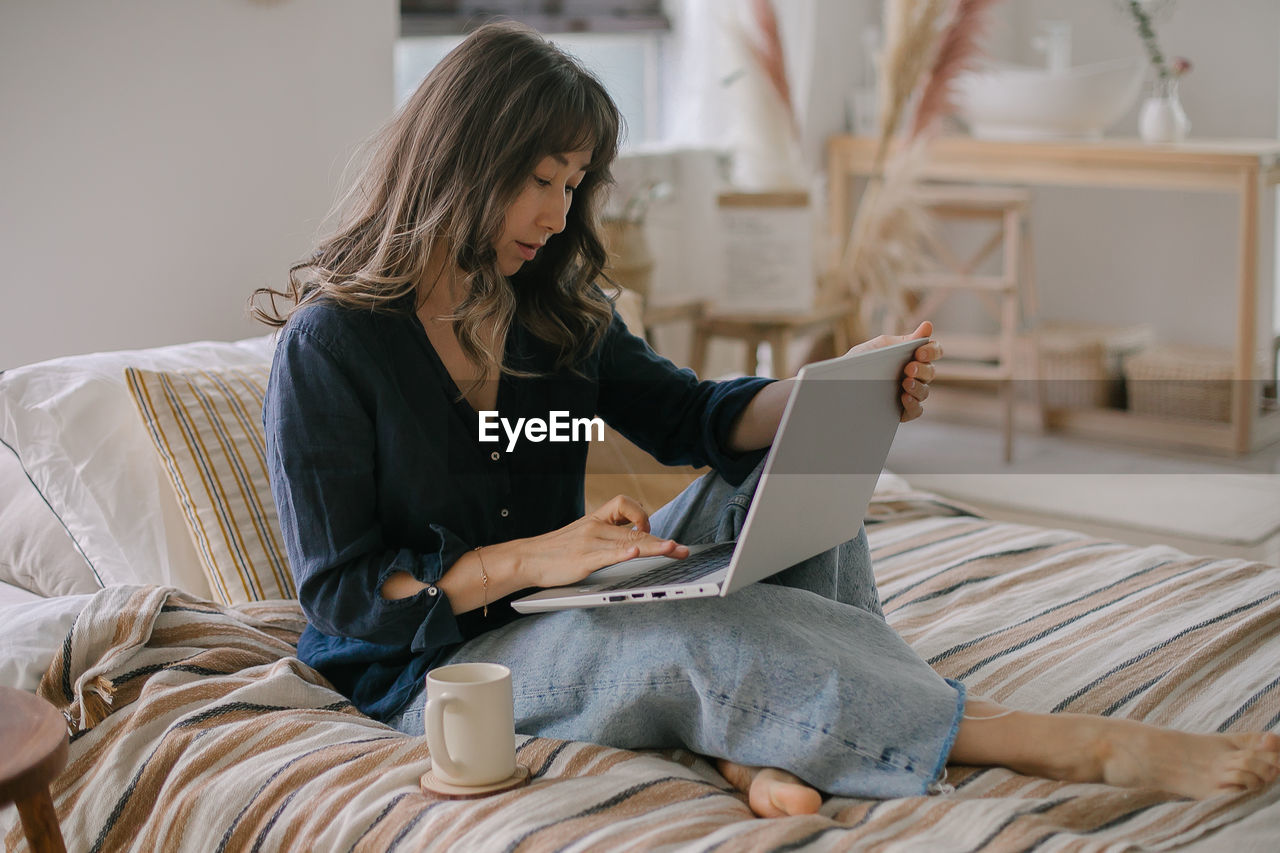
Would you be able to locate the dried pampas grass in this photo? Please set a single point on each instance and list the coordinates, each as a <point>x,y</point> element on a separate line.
<point>957,52</point>
<point>889,239</point>
<point>927,44</point>
<point>766,50</point>
<point>911,37</point>
<point>769,154</point>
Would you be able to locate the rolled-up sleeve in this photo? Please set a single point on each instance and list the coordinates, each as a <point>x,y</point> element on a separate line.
<point>322,457</point>
<point>667,411</point>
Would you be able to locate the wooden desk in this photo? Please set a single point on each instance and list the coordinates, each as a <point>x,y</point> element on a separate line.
<point>1248,169</point>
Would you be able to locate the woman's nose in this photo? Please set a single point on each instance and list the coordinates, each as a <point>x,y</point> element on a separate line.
<point>553,215</point>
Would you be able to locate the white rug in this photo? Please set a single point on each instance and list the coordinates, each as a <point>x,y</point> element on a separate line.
<point>1233,509</point>
<point>1202,506</point>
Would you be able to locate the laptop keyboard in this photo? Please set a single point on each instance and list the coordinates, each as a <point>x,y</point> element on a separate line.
<point>689,569</point>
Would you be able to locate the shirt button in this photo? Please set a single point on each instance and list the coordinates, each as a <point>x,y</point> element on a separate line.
<point>494,455</point>
<point>431,590</point>
<point>504,513</point>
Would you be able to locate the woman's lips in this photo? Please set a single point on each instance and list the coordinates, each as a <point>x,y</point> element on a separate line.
<point>528,250</point>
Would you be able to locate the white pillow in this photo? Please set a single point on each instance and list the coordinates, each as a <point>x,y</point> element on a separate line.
<point>77,433</point>
<point>11,596</point>
<point>36,552</point>
<point>34,629</point>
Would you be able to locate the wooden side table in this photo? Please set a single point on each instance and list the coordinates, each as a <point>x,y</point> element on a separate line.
<point>1247,170</point>
<point>33,750</point>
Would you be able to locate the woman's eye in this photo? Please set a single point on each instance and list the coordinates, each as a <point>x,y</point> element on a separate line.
<point>568,190</point>
<point>541,182</point>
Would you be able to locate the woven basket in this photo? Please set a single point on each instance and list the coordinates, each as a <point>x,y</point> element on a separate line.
<point>1080,365</point>
<point>1191,383</point>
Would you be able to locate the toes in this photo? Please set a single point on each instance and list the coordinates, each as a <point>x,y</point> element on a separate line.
<point>1256,741</point>
<point>776,793</point>
<point>795,799</point>
<point>1257,753</point>
<point>762,805</point>
<point>1239,780</point>
<point>1259,764</point>
<point>1265,766</point>
<point>735,774</point>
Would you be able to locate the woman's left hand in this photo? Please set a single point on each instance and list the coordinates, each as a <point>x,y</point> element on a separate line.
<point>918,373</point>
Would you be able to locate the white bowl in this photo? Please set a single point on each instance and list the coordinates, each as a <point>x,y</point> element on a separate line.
<point>1018,102</point>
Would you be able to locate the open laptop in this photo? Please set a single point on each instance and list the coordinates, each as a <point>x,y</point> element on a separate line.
<point>814,490</point>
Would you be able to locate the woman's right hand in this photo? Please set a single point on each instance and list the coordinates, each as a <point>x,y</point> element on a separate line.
<point>617,531</point>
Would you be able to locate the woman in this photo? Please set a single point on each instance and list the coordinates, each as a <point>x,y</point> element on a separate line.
<point>463,281</point>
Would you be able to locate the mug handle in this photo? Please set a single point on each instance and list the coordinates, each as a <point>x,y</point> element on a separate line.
<point>435,736</point>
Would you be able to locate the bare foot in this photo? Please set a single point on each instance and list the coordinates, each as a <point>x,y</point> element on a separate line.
<point>1134,755</point>
<point>1127,753</point>
<point>771,792</point>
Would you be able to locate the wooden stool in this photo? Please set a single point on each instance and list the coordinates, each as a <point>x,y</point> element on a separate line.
<point>675,312</point>
<point>1009,297</point>
<point>777,330</point>
<point>33,750</point>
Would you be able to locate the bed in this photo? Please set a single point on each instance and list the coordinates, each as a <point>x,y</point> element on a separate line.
<point>143,595</point>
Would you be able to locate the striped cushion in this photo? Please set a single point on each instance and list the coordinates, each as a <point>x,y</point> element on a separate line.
<point>207,427</point>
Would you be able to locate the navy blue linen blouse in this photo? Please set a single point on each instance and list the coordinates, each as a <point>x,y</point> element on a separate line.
<point>376,467</point>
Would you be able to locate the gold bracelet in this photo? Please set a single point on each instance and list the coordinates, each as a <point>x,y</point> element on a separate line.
<point>484,582</point>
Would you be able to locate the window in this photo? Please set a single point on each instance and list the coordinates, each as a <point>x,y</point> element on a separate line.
<point>455,17</point>
<point>621,41</point>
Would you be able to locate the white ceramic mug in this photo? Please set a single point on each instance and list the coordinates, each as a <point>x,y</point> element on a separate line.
<point>470,720</point>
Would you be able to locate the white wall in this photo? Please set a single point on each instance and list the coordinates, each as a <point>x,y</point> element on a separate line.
<point>160,160</point>
<point>1158,257</point>
<point>823,45</point>
<point>1103,256</point>
<point>1234,47</point>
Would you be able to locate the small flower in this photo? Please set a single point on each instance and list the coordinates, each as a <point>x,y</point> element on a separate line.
<point>1148,35</point>
<point>1181,65</point>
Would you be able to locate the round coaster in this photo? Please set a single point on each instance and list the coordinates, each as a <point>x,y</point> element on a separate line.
<point>449,791</point>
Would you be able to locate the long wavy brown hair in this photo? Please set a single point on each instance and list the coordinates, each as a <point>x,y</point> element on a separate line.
<point>443,172</point>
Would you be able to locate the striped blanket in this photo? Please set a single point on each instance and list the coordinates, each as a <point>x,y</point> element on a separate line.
<point>195,728</point>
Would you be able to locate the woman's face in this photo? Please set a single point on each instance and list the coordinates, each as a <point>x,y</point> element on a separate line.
<point>540,209</point>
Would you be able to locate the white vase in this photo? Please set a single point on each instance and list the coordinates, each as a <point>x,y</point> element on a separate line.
<point>766,151</point>
<point>1162,118</point>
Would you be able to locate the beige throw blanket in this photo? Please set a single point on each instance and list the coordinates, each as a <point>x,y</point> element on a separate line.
<point>195,728</point>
